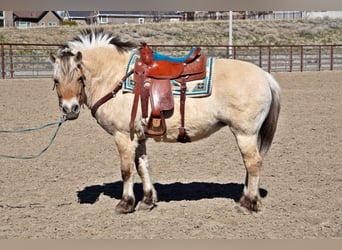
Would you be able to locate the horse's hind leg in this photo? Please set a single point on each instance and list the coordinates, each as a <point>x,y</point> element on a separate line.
<point>252,160</point>
<point>141,161</point>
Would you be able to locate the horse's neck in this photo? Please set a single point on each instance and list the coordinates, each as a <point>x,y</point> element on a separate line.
<point>104,68</point>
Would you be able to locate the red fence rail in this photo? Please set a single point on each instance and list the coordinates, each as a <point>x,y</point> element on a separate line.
<point>31,60</point>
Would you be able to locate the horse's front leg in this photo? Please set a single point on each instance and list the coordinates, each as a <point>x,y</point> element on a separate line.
<point>126,149</point>
<point>150,195</point>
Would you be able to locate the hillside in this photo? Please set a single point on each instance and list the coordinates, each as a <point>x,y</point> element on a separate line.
<point>246,32</point>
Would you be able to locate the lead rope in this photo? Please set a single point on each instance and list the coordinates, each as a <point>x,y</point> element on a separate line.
<point>59,124</point>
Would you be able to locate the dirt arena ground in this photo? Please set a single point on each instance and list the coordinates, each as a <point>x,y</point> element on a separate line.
<point>71,190</point>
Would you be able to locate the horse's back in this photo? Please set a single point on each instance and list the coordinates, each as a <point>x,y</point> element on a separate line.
<point>237,76</point>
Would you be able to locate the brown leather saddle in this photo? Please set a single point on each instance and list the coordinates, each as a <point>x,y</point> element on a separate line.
<point>152,74</point>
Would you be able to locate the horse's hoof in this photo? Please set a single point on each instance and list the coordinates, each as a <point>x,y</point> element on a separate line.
<point>143,206</point>
<point>149,201</point>
<point>252,204</point>
<point>125,206</point>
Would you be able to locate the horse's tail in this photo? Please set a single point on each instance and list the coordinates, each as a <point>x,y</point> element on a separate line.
<point>269,126</point>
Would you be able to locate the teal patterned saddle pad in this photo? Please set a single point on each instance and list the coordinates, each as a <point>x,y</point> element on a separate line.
<point>197,88</point>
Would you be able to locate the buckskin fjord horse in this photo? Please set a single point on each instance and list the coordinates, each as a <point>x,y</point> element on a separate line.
<point>243,96</point>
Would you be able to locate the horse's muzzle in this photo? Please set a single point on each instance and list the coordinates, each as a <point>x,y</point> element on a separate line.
<point>72,112</point>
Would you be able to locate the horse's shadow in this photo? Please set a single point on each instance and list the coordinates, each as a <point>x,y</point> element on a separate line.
<point>168,192</point>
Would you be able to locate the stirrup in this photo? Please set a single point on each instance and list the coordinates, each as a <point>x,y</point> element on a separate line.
<point>156,126</point>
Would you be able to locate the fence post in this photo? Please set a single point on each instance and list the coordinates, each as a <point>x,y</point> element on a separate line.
<point>291,59</point>
<point>269,59</point>
<point>301,58</point>
<point>319,57</point>
<point>260,57</point>
<point>2,61</point>
<point>11,60</point>
<point>331,57</point>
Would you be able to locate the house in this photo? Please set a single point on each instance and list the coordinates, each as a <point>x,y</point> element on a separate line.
<point>120,17</point>
<point>27,19</point>
<point>79,17</point>
<point>288,15</point>
<point>323,14</point>
<point>6,18</point>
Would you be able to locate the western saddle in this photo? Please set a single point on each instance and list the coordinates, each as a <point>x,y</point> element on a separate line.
<point>152,74</point>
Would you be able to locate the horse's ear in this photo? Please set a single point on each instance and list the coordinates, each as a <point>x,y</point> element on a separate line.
<point>78,57</point>
<point>52,58</point>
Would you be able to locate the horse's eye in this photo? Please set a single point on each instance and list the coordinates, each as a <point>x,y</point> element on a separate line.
<point>55,83</point>
<point>80,79</point>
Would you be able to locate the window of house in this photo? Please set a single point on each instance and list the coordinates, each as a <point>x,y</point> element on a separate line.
<point>2,21</point>
<point>103,19</point>
<point>42,24</point>
<point>52,24</point>
<point>22,24</point>
<point>141,20</point>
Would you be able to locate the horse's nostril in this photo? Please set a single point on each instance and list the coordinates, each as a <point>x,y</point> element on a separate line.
<point>75,108</point>
<point>65,110</point>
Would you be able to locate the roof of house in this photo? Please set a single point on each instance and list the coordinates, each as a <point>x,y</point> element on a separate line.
<point>32,16</point>
<point>77,14</point>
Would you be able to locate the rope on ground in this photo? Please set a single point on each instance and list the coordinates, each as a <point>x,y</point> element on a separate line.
<point>24,157</point>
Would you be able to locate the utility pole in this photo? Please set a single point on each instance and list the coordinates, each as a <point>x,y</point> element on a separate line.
<point>230,42</point>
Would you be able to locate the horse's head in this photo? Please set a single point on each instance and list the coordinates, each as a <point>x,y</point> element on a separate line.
<point>69,82</point>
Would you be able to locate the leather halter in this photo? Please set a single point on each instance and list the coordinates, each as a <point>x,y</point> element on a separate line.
<point>110,95</point>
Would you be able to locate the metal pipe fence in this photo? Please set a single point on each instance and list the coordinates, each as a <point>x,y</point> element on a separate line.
<point>272,58</point>
<point>31,60</point>
<point>26,60</point>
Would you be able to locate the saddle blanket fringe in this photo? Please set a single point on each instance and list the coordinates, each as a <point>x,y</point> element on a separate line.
<point>197,88</point>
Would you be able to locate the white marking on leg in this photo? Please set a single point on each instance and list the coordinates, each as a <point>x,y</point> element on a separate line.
<point>128,187</point>
<point>144,166</point>
<point>146,178</point>
<point>253,186</point>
